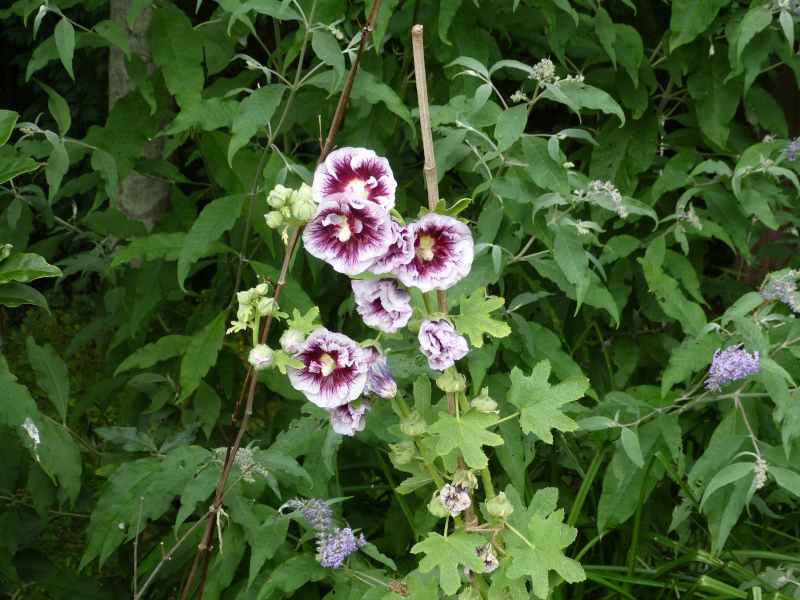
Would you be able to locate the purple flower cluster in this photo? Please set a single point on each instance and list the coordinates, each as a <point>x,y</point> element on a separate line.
<point>791,150</point>
<point>783,289</point>
<point>333,544</point>
<point>316,512</point>
<point>441,344</point>
<point>730,365</point>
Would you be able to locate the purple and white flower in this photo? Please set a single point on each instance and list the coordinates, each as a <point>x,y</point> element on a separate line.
<point>443,251</point>
<point>349,233</point>
<point>355,171</point>
<point>455,498</point>
<point>382,304</point>
<point>487,555</point>
<point>441,344</point>
<point>400,252</point>
<point>730,365</point>
<point>334,369</point>
<point>347,419</point>
<point>380,381</point>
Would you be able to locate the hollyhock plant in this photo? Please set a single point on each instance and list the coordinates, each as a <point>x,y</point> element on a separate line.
<point>443,250</point>
<point>347,419</point>
<point>355,171</point>
<point>382,304</point>
<point>400,252</point>
<point>334,369</point>
<point>441,344</point>
<point>380,381</point>
<point>348,233</point>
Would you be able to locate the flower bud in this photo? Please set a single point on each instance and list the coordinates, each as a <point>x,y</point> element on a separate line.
<point>267,307</point>
<point>436,507</point>
<point>261,357</point>
<point>403,452</point>
<point>279,196</point>
<point>465,479</point>
<point>413,425</point>
<point>244,297</point>
<point>261,289</point>
<point>451,381</point>
<point>482,402</point>
<point>304,209</point>
<point>274,219</point>
<point>499,506</point>
<point>470,593</point>
<point>291,340</point>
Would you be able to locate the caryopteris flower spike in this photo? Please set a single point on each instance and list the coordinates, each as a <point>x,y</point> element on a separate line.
<point>355,171</point>
<point>730,365</point>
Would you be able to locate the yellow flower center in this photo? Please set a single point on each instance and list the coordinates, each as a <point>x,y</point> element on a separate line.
<point>344,232</point>
<point>358,186</point>
<point>328,364</point>
<point>425,249</point>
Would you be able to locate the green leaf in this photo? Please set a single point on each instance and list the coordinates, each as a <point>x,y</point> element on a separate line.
<point>467,432</point>
<point>283,359</point>
<point>572,258</point>
<point>545,172</point>
<point>11,167</point>
<point>447,10</point>
<point>8,118</point>
<point>207,404</point>
<point>757,19</point>
<point>675,174</point>
<point>623,153</point>
<point>630,442</point>
<point>727,475</point>
<point>136,7</point>
<point>690,357</point>
<point>540,403</point>
<point>15,294</point>
<point>201,355</point>
<point>788,480</point>
<point>787,24</point>
<point>67,584</point>
<point>65,44</point>
<point>580,95</point>
<point>128,438</point>
<point>217,217</point>
<point>671,299</point>
<point>178,49</point>
<point>327,49</point>
<point>51,375</point>
<point>307,323</point>
<point>690,18</point>
<point>717,101</point>
<point>255,111</point>
<point>475,318</point>
<point>105,164</point>
<point>162,349</point>
<point>113,33</point>
<point>137,71</point>
<point>510,126</point>
<point>414,483</point>
<point>606,34</point>
<point>267,541</point>
<point>449,554</point>
<point>167,246</point>
<point>26,267</point>
<point>57,164</point>
<point>371,89</point>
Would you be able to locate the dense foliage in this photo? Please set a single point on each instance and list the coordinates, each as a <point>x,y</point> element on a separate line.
<point>623,419</point>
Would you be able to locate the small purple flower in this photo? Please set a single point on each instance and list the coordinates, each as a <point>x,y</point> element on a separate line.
<point>443,250</point>
<point>347,419</point>
<point>441,344</point>
<point>400,252</point>
<point>455,498</point>
<point>349,233</point>
<point>316,512</point>
<point>334,547</point>
<point>382,304</point>
<point>355,171</point>
<point>782,288</point>
<point>791,150</point>
<point>380,381</point>
<point>730,365</point>
<point>334,369</point>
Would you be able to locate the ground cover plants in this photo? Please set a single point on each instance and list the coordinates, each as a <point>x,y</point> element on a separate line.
<point>506,307</point>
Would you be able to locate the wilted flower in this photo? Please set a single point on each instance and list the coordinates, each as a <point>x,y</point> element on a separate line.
<point>333,548</point>
<point>455,498</point>
<point>348,233</point>
<point>356,171</point>
<point>783,288</point>
<point>436,507</point>
<point>690,217</point>
<point>380,381</point>
<point>791,150</point>
<point>347,419</point>
<point>730,365</point>
<point>316,512</point>
<point>489,558</point>
<point>261,357</point>
<point>400,251</point>
<point>334,369</point>
<point>443,251</point>
<point>382,304</point>
<point>441,344</point>
<point>291,340</point>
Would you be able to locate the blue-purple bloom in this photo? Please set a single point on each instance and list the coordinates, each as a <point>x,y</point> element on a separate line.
<point>791,150</point>
<point>782,288</point>
<point>334,547</point>
<point>316,512</point>
<point>730,365</point>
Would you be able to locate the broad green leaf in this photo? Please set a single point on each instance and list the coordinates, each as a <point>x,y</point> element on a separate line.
<point>510,126</point>
<point>26,267</point>
<point>540,403</point>
<point>128,438</point>
<point>581,95</point>
<point>371,89</point>
<point>58,108</point>
<point>717,101</point>
<point>475,318</point>
<point>207,405</point>
<point>217,217</point>
<point>675,174</point>
<point>207,115</point>
<point>15,294</point>
<point>545,172</point>
<point>630,50</point>
<point>447,10</point>
<point>572,259</point>
<point>630,442</point>
<point>105,164</point>
<point>64,35</point>
<point>178,49</point>
<point>11,167</point>
<point>267,541</point>
<point>671,299</point>
<point>201,355</point>
<point>197,490</point>
<point>8,118</point>
<point>727,475</point>
<point>327,49</point>
<point>167,246</point>
<point>787,24</point>
<point>292,575</point>
<point>449,150</point>
<point>51,375</point>
<point>623,153</point>
<point>449,554</point>
<point>305,323</point>
<point>694,354</point>
<point>113,33</point>
<point>606,34</point>
<point>468,433</point>
<point>137,71</point>
<point>255,111</point>
<point>757,19</point>
<point>690,18</point>
<point>136,7</point>
<point>788,480</point>
<point>164,348</point>
<point>414,483</point>
<point>57,164</point>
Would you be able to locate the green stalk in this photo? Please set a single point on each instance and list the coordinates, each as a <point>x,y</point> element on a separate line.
<point>586,485</point>
<point>636,525</point>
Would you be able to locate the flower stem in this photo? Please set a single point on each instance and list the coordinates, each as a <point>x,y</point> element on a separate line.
<point>428,302</point>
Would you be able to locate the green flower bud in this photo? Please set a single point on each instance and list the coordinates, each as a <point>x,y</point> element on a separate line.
<point>451,381</point>
<point>403,452</point>
<point>417,319</point>
<point>291,340</point>
<point>465,479</point>
<point>279,196</point>
<point>267,307</point>
<point>304,209</point>
<point>274,219</point>
<point>470,593</point>
<point>303,194</point>
<point>261,357</point>
<point>261,289</point>
<point>436,507</point>
<point>482,402</point>
<point>244,297</point>
<point>413,425</point>
<point>499,506</point>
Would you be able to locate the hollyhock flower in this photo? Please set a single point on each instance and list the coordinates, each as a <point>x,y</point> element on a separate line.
<point>348,233</point>
<point>730,365</point>
<point>380,381</point>
<point>355,171</point>
<point>441,344</point>
<point>443,250</point>
<point>347,419</point>
<point>334,369</point>
<point>400,252</point>
<point>382,304</point>
<point>455,498</point>
<point>489,558</point>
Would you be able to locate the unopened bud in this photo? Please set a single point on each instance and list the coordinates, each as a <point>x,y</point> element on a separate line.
<point>267,307</point>
<point>291,340</point>
<point>279,196</point>
<point>274,219</point>
<point>261,289</point>
<point>244,297</point>
<point>451,381</point>
<point>465,479</point>
<point>304,209</point>
<point>261,357</point>
<point>413,425</point>
<point>482,402</point>
<point>499,506</point>
<point>403,452</point>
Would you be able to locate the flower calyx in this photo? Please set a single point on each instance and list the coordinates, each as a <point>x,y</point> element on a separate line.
<point>451,381</point>
<point>483,403</point>
<point>499,506</point>
<point>414,425</point>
